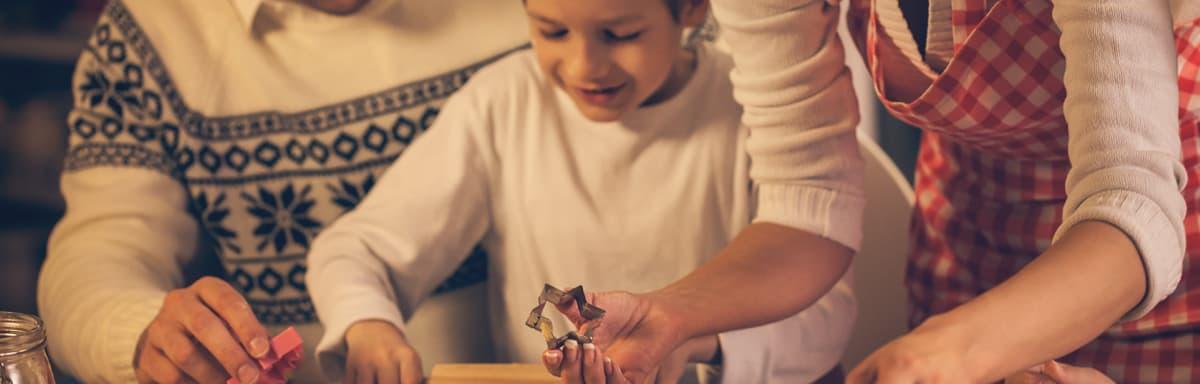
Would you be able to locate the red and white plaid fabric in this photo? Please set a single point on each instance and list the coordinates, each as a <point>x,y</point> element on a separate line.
<point>992,170</point>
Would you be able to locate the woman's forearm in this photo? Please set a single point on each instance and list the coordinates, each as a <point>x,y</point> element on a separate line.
<point>1067,296</point>
<point>769,272</point>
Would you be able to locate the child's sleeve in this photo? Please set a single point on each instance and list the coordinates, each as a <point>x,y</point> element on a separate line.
<point>798,349</point>
<point>799,105</point>
<point>413,229</point>
<point>1122,112</point>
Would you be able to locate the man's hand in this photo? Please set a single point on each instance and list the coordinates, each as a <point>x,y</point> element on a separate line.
<point>377,352</point>
<point>204,333</point>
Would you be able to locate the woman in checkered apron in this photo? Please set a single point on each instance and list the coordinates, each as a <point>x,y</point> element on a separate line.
<point>1051,132</point>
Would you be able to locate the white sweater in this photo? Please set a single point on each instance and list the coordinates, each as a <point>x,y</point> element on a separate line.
<point>252,123</point>
<point>631,205</point>
<point>1121,110</point>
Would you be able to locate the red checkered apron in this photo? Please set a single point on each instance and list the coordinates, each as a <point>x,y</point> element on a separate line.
<point>992,168</point>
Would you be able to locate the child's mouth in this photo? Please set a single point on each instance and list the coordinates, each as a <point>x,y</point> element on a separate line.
<point>599,95</point>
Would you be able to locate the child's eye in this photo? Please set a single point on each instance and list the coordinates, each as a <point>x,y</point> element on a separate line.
<point>611,36</point>
<point>554,34</point>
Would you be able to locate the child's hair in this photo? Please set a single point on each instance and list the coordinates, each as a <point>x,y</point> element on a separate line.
<point>673,6</point>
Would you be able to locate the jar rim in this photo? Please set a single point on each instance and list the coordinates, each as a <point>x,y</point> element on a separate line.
<point>20,333</point>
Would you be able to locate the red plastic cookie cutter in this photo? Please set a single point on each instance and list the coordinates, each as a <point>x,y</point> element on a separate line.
<point>284,356</point>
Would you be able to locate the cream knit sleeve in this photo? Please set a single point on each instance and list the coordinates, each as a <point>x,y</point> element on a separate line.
<point>1122,113</point>
<point>791,77</point>
<point>127,231</point>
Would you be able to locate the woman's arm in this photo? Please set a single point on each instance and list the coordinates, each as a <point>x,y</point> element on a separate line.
<point>1120,248</point>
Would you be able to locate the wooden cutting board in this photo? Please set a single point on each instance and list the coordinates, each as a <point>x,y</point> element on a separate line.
<point>490,374</point>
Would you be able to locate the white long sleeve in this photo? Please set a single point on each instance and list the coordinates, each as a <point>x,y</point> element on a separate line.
<point>111,261</point>
<point>123,241</point>
<point>381,259</point>
<point>791,78</point>
<point>1122,113</point>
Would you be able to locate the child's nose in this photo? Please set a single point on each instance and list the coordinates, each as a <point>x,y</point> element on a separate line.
<point>589,61</point>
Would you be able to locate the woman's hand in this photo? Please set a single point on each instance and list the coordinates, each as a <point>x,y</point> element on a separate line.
<point>1053,372</point>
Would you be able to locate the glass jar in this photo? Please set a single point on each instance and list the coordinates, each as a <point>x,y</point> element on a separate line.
<point>23,357</point>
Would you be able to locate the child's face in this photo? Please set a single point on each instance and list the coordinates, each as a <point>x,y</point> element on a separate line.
<point>610,56</point>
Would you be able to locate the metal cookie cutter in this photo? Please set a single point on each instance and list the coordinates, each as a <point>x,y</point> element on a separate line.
<point>591,313</point>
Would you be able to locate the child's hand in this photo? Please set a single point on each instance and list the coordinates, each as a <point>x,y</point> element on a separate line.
<point>636,332</point>
<point>697,350</point>
<point>579,364</point>
<point>587,363</point>
<point>378,353</point>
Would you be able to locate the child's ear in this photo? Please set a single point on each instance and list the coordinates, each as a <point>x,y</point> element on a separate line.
<point>693,13</point>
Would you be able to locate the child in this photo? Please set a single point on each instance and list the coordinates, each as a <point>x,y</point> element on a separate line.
<point>608,156</point>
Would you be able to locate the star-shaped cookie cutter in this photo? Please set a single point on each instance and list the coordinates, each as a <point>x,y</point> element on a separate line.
<point>591,313</point>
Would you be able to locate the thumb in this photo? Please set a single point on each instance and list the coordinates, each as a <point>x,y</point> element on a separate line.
<point>570,308</point>
<point>1068,374</point>
<point>636,366</point>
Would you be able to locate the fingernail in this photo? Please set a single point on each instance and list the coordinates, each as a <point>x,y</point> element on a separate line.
<point>247,374</point>
<point>607,366</point>
<point>571,351</point>
<point>589,353</point>
<point>553,357</point>
<point>259,347</point>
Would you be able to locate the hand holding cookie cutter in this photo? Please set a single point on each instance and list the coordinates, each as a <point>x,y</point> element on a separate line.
<point>591,314</point>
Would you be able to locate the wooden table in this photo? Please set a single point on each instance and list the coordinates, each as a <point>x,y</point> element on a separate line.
<point>490,374</point>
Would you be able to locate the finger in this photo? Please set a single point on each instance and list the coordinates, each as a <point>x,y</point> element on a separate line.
<point>572,368</point>
<point>864,373</point>
<point>185,354</point>
<point>885,375</point>
<point>571,312</point>
<point>615,376</point>
<point>652,378</point>
<point>553,360</point>
<point>155,367</point>
<point>366,375</point>
<point>1028,377</point>
<point>351,372</point>
<point>231,307</point>
<point>635,375</point>
<point>388,372</point>
<point>612,373</point>
<point>410,369</point>
<point>593,364</point>
<point>214,336</point>
<point>570,309</point>
<point>588,325</point>
<point>1069,374</point>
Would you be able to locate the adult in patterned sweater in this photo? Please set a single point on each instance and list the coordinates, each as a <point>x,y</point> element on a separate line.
<point>242,126</point>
